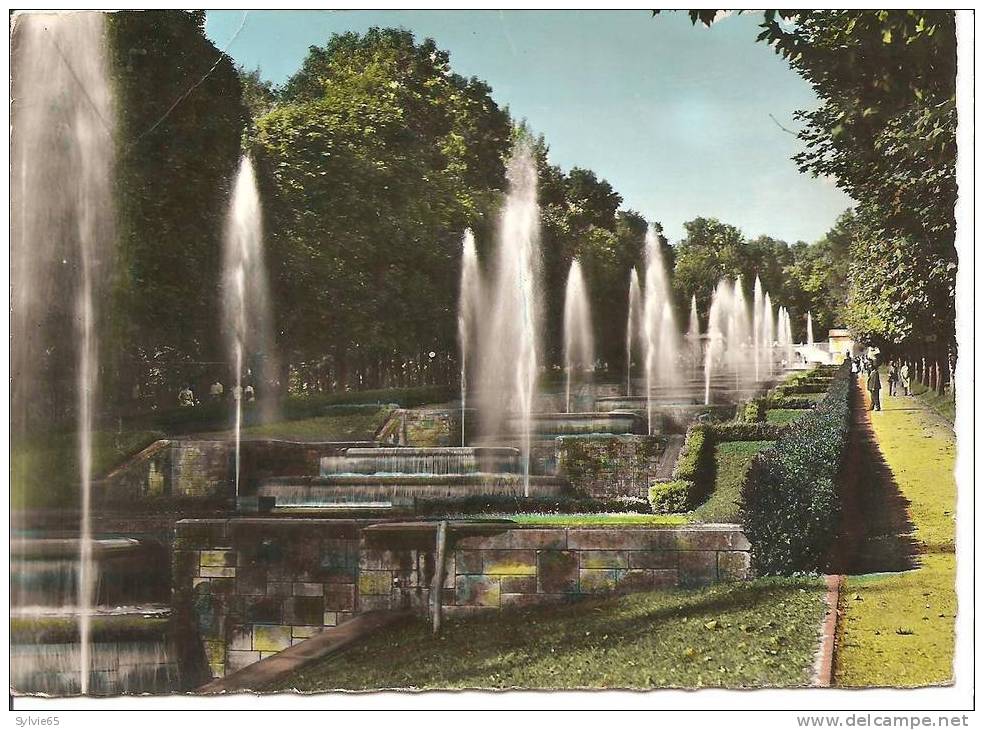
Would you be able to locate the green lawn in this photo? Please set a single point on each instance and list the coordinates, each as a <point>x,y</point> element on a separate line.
<point>750,634</point>
<point>732,459</point>
<point>898,628</point>
<point>44,472</point>
<point>784,415</point>
<point>591,519</point>
<point>944,404</point>
<point>352,426</point>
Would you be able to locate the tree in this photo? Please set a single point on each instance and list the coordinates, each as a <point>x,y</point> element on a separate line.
<point>378,156</point>
<point>181,120</point>
<point>886,131</point>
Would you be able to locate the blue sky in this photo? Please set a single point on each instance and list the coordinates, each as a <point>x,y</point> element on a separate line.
<point>675,117</point>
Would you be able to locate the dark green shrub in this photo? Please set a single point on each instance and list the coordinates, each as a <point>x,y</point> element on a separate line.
<point>789,505</point>
<point>753,411</point>
<point>672,496</point>
<point>790,402</point>
<point>720,432</point>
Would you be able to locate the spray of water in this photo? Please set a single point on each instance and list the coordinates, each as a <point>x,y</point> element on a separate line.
<point>809,329</point>
<point>661,336</point>
<point>578,337</point>
<point>693,336</point>
<point>633,326</point>
<point>509,351</point>
<point>61,233</point>
<point>469,303</point>
<point>246,298</point>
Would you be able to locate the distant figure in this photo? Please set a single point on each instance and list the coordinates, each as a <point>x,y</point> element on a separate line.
<point>237,392</point>
<point>215,390</point>
<point>906,379</point>
<point>249,393</point>
<point>874,387</point>
<point>186,397</point>
<point>893,377</point>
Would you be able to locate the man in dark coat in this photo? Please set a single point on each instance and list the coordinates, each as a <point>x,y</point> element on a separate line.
<point>874,387</point>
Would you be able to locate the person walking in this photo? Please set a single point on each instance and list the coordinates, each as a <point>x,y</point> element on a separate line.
<point>874,387</point>
<point>893,377</point>
<point>906,379</point>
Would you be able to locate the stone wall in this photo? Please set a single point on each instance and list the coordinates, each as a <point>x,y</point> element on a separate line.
<point>254,586</point>
<point>205,469</point>
<point>610,466</point>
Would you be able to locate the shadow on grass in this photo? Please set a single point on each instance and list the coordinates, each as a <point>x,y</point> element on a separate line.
<point>876,532</point>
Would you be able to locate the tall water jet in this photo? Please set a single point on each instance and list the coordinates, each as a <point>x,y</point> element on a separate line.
<point>662,347</point>
<point>809,329</point>
<point>768,334</point>
<point>633,326</point>
<point>509,351</point>
<point>693,334</point>
<point>246,298</point>
<point>719,321</point>
<point>62,235</point>
<point>469,302</point>
<point>758,325</point>
<point>578,337</point>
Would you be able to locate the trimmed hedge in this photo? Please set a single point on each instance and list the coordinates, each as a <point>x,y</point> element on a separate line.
<point>790,402</point>
<point>693,474</point>
<point>752,411</point>
<point>789,505</point>
<point>672,496</point>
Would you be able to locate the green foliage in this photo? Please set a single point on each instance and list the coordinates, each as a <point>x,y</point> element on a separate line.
<point>783,416</point>
<point>804,277</point>
<point>376,157</point>
<point>753,411</point>
<point>175,168</point>
<point>732,460</point>
<point>885,130</point>
<point>672,496</point>
<point>789,402</point>
<point>790,507</point>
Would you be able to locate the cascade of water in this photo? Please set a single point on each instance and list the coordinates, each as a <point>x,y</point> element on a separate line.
<point>578,338</point>
<point>788,325</point>
<point>469,303</point>
<point>661,337</point>
<point>633,326</point>
<point>245,296</point>
<point>509,351</point>
<point>62,220</point>
<point>718,325</point>
<point>809,329</point>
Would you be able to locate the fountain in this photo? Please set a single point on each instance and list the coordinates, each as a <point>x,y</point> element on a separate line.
<point>809,329</point>
<point>509,349</point>
<point>62,220</point>
<point>758,325</point>
<point>693,335</point>
<point>769,335</point>
<point>245,296</point>
<point>633,326</point>
<point>578,338</point>
<point>662,347</point>
<point>469,306</point>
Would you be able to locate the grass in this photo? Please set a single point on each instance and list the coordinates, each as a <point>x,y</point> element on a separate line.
<point>597,518</point>
<point>732,459</point>
<point>898,628</point>
<point>353,426</point>
<point>944,404</point>
<point>784,415</point>
<point>750,634</point>
<point>44,472</point>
